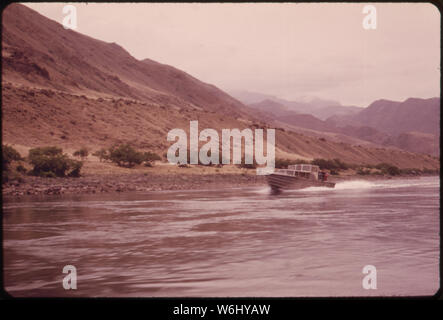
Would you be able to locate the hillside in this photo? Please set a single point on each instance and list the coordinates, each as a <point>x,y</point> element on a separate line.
<point>39,52</point>
<point>63,88</point>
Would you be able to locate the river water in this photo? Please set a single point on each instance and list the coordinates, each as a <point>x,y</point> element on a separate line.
<point>237,242</point>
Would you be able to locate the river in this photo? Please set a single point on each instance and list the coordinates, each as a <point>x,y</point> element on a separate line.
<point>235,242</point>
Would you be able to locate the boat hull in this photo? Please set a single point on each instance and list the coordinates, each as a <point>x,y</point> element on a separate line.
<point>280,182</point>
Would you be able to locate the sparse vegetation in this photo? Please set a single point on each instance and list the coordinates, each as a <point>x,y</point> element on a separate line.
<point>284,163</point>
<point>20,168</point>
<point>52,162</point>
<point>150,157</point>
<point>388,169</point>
<point>334,164</point>
<point>102,154</point>
<point>9,154</point>
<point>430,171</point>
<point>82,153</point>
<point>125,155</point>
<point>363,172</point>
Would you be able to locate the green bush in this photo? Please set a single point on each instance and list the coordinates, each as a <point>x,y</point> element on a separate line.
<point>9,154</point>
<point>340,164</point>
<point>393,171</point>
<point>151,156</point>
<point>75,168</point>
<point>125,156</point>
<point>335,164</point>
<point>52,162</point>
<point>389,169</point>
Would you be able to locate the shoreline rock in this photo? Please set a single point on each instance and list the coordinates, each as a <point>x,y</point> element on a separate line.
<point>125,183</point>
<point>96,184</point>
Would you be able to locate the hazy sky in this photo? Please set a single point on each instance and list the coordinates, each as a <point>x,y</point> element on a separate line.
<point>288,50</point>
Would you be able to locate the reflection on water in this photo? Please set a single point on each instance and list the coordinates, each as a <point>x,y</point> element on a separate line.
<point>237,242</point>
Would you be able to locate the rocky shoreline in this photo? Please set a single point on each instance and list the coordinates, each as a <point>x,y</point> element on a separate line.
<point>99,183</point>
<point>94,184</point>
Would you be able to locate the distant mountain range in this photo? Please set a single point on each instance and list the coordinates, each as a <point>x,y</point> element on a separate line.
<point>413,114</point>
<point>412,125</point>
<point>62,88</point>
<point>320,108</point>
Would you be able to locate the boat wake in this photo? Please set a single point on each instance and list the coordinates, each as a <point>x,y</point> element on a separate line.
<point>355,185</point>
<point>363,185</point>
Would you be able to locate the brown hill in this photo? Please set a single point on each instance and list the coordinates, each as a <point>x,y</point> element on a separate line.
<point>40,52</point>
<point>63,88</point>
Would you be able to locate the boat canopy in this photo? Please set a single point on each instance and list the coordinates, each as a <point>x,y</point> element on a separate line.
<point>304,167</point>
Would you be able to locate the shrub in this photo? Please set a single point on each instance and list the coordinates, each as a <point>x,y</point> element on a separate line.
<point>52,162</point>
<point>9,176</point>
<point>282,163</point>
<point>151,156</point>
<point>328,164</point>
<point>363,172</point>
<point>9,154</point>
<point>125,156</point>
<point>430,171</point>
<point>82,153</point>
<point>21,169</point>
<point>382,165</point>
<point>340,164</point>
<point>102,154</point>
<point>393,171</point>
<point>389,169</point>
<point>75,168</point>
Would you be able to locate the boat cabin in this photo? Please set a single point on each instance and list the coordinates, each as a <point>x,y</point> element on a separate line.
<point>307,171</point>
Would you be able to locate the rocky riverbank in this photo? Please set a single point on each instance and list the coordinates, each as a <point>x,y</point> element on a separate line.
<point>139,182</point>
<point>126,183</point>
